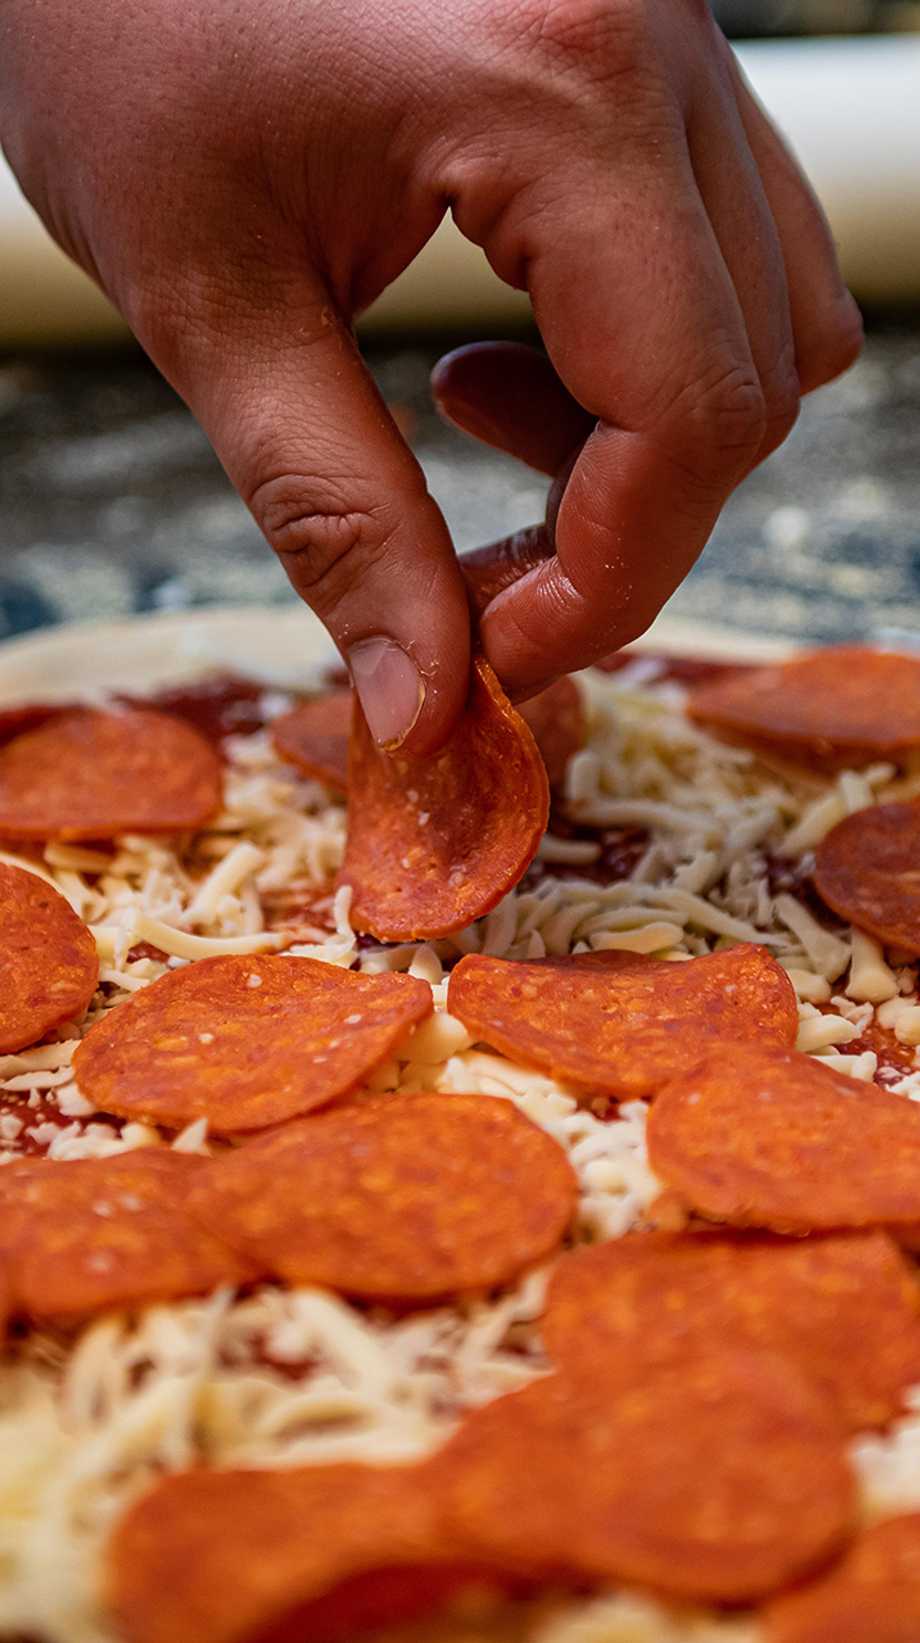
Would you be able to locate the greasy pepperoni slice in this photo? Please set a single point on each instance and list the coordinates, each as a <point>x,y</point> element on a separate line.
<point>245,1041</point>
<point>403,1198</point>
<point>100,1233</point>
<point>871,1596</point>
<point>48,962</point>
<point>314,737</point>
<point>620,1024</point>
<point>320,1552</point>
<point>721,1478</point>
<point>845,1308</point>
<point>770,1138</point>
<point>867,869</point>
<point>434,843</point>
<point>92,775</point>
<point>844,705</point>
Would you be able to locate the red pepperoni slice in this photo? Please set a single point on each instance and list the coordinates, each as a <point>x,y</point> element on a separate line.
<point>82,1237</point>
<point>770,1138</point>
<point>722,1478</point>
<point>845,1308</point>
<point>92,775</point>
<point>314,737</point>
<point>845,705</point>
<point>404,1198</point>
<point>867,869</point>
<point>322,1552</point>
<point>245,1041</point>
<point>435,843</point>
<point>871,1596</point>
<point>620,1024</point>
<point>48,963</point>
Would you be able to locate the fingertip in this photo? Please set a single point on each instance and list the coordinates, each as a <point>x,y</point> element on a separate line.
<point>445,689</point>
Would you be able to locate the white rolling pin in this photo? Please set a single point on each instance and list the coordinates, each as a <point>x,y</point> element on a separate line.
<point>850,107</point>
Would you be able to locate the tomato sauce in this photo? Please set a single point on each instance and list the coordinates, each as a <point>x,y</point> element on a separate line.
<point>221,705</point>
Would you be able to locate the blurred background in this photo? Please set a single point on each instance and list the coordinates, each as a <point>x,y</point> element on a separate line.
<point>111,501</point>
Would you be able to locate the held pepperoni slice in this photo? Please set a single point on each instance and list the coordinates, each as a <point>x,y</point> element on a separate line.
<point>314,737</point>
<point>848,704</point>
<point>867,870</point>
<point>228,1556</point>
<point>405,1198</point>
<point>434,843</point>
<point>871,1596</point>
<point>93,775</point>
<point>771,1138</point>
<point>620,1024</point>
<point>721,1479</point>
<point>107,1232</point>
<point>845,1308</point>
<point>245,1041</point>
<point>48,962</point>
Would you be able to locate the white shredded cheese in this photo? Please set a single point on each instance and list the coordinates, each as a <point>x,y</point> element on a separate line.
<point>84,1426</point>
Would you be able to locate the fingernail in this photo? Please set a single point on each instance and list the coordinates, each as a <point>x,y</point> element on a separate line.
<point>389,687</point>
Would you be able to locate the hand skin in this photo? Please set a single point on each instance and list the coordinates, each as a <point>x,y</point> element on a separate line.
<point>243,179</point>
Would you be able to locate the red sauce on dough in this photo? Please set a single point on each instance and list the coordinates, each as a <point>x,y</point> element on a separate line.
<point>621,850</point>
<point>221,705</point>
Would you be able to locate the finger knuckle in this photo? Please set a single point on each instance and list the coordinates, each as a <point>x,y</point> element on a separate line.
<point>589,34</point>
<point>718,424</point>
<point>325,544</point>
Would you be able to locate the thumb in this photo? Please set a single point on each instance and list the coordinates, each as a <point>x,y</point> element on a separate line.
<point>304,435</point>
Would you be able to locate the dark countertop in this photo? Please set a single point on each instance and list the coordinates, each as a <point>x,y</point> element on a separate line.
<point>112,502</point>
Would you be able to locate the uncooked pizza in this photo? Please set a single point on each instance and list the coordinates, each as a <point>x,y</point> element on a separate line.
<point>464,1198</point>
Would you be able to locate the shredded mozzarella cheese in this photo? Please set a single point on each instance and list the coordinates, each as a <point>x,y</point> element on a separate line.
<point>289,1377</point>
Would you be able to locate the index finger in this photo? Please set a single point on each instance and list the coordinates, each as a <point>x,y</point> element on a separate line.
<point>655,346</point>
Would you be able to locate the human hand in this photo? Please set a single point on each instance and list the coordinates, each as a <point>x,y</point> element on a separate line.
<point>242,180</point>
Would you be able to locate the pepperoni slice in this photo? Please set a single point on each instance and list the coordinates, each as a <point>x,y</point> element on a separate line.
<point>845,1308</point>
<point>435,843</point>
<point>48,962</point>
<point>771,1138</point>
<point>107,1232</point>
<point>403,1198</point>
<point>722,1478</point>
<point>867,869</point>
<point>245,1041</point>
<point>844,705</point>
<point>620,1024</point>
<point>871,1596</point>
<point>320,1552</point>
<point>314,737</point>
<point>93,775</point>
